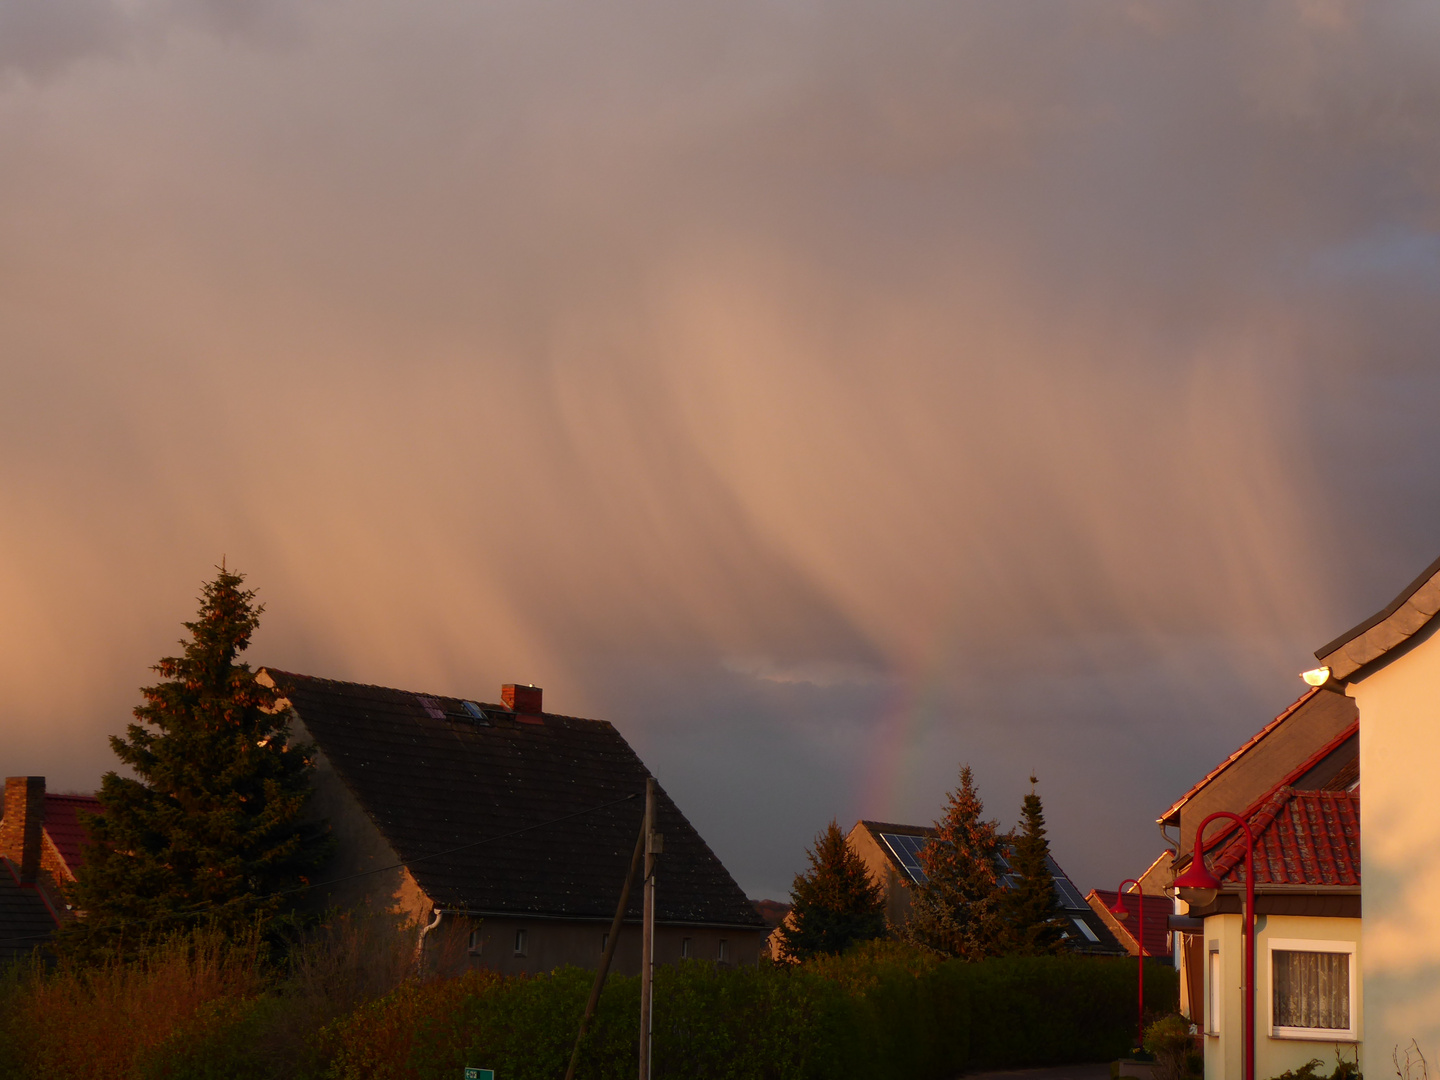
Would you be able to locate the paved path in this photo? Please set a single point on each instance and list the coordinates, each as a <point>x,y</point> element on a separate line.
<point>1093,1071</point>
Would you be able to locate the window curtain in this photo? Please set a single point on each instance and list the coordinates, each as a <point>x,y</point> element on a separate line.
<point>1312,989</point>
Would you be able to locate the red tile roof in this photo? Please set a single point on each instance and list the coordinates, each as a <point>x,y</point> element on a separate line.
<point>1301,838</point>
<point>1157,913</point>
<point>63,826</point>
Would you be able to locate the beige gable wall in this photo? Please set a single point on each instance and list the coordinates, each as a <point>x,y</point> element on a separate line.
<point>1299,736</point>
<point>882,871</point>
<point>1400,830</point>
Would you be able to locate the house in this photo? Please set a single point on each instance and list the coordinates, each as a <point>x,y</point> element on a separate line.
<point>890,852</point>
<point>40,847</point>
<point>1306,830</point>
<point>505,825</point>
<point>1389,665</point>
<point>1156,932</point>
<point>1316,726</point>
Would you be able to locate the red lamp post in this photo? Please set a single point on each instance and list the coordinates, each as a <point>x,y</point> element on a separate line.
<point>1198,888</point>
<point>1120,911</point>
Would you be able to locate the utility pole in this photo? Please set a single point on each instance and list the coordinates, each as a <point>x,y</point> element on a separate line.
<point>654,844</point>
<point>610,945</point>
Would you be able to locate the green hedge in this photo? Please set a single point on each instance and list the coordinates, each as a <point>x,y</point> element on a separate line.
<point>883,1011</point>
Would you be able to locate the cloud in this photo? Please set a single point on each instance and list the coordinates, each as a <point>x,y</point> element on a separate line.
<point>826,395</point>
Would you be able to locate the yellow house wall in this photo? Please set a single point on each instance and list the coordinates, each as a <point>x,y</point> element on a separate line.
<point>1400,826</point>
<point>1224,1053</point>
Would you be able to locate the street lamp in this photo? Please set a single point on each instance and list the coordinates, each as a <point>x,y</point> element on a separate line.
<point>1198,887</point>
<point>1120,911</point>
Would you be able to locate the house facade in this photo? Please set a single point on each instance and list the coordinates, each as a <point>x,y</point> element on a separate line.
<point>40,851</point>
<point>890,852</point>
<point>504,828</point>
<point>1297,785</point>
<point>1389,665</point>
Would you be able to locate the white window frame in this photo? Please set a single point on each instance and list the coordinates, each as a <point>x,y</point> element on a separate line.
<point>1214,998</point>
<point>1321,945</point>
<point>477,943</point>
<point>522,942</point>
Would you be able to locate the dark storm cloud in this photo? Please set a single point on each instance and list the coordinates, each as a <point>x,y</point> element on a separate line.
<point>828,393</point>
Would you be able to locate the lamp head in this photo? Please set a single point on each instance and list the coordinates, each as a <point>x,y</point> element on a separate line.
<point>1316,676</point>
<point>1120,911</point>
<point>1197,886</point>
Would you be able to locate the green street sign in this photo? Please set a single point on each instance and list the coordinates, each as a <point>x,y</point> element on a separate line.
<point>479,1074</point>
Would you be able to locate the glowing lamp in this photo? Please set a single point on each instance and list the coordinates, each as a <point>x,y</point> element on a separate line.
<point>1316,676</point>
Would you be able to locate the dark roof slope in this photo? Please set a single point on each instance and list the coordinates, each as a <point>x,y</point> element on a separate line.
<point>1391,626</point>
<point>431,783</point>
<point>26,921</point>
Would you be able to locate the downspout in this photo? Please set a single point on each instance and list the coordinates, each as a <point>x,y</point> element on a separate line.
<point>420,942</point>
<point>1177,948</point>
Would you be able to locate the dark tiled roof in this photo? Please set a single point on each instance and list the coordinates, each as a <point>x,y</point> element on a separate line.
<point>434,783</point>
<point>26,922</point>
<point>1157,913</point>
<point>894,827</point>
<point>63,826</point>
<point>1388,628</point>
<point>1301,838</point>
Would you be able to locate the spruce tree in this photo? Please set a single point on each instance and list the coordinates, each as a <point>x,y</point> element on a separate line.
<point>955,912</point>
<point>1030,907</point>
<point>834,904</point>
<point>209,827</point>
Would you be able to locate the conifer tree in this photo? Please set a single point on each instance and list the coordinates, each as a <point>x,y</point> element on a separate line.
<point>956,910</point>
<point>834,904</point>
<point>209,827</point>
<point>1030,907</point>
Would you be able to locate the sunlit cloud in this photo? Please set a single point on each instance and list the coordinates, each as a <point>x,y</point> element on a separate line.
<point>825,395</point>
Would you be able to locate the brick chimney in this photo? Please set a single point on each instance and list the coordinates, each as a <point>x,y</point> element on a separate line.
<point>22,830</point>
<point>522,699</point>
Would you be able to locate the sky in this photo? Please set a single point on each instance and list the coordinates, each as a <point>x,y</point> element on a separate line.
<point>829,393</point>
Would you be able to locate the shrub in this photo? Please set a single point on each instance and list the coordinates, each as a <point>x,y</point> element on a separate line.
<point>1169,1041</point>
<point>101,1021</point>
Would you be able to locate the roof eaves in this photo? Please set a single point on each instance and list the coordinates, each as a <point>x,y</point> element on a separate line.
<point>1396,623</point>
<point>1168,817</point>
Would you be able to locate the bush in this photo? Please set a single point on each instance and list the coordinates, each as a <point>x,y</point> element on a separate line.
<point>1169,1042</point>
<point>196,1009</point>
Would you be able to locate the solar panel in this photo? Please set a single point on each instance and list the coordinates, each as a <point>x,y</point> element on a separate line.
<point>906,850</point>
<point>1069,895</point>
<point>431,706</point>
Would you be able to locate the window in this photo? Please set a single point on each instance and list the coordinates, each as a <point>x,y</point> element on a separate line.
<point>521,941</point>
<point>1312,989</point>
<point>724,954</point>
<point>685,949</point>
<point>476,942</point>
<point>1214,998</point>
<point>604,942</point>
